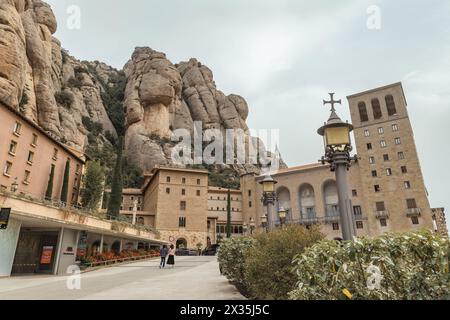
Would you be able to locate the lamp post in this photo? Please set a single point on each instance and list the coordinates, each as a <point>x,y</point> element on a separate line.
<point>252,225</point>
<point>264,222</point>
<point>269,197</point>
<point>282,215</point>
<point>337,143</point>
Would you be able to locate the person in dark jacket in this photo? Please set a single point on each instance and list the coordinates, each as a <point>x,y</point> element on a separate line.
<point>163,253</point>
<point>171,259</point>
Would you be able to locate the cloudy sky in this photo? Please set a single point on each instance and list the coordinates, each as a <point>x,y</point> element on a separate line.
<point>284,56</point>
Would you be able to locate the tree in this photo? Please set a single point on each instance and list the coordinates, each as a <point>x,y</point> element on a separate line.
<point>229,214</point>
<point>49,191</point>
<point>117,184</point>
<point>65,185</point>
<point>93,185</point>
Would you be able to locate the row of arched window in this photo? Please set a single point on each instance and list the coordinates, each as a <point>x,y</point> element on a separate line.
<point>376,108</point>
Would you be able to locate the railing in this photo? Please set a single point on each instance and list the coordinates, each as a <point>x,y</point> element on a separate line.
<point>382,214</point>
<point>413,212</point>
<point>58,204</point>
<point>332,214</point>
<point>118,260</point>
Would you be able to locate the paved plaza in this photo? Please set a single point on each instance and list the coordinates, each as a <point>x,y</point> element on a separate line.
<point>194,278</point>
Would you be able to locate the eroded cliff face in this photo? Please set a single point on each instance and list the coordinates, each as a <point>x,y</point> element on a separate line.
<point>72,99</point>
<point>162,97</point>
<point>43,81</point>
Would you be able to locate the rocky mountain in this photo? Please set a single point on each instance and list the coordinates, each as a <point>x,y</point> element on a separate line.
<point>85,103</point>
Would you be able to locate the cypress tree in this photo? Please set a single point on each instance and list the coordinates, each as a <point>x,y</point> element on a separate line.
<point>49,192</point>
<point>229,214</point>
<point>65,185</point>
<point>115,199</point>
<point>93,185</point>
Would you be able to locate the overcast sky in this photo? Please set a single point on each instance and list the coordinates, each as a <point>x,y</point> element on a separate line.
<point>284,56</point>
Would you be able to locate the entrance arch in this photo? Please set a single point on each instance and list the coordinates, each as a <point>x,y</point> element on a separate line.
<point>181,243</point>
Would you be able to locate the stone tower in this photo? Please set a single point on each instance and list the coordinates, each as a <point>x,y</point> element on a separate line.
<point>391,176</point>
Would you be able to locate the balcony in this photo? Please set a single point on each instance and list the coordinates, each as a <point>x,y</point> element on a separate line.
<point>308,218</point>
<point>382,214</point>
<point>332,215</point>
<point>413,212</point>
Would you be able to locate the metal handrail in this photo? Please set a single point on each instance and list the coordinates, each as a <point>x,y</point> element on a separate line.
<point>114,261</point>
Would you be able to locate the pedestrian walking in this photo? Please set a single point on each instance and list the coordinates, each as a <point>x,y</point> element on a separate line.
<point>163,253</point>
<point>171,259</point>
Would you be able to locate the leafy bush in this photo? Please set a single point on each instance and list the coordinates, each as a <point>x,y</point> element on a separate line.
<point>23,102</point>
<point>406,266</point>
<point>232,254</point>
<point>64,98</point>
<point>268,267</point>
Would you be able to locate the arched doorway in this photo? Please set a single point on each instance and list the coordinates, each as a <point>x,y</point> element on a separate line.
<point>181,243</point>
<point>115,247</point>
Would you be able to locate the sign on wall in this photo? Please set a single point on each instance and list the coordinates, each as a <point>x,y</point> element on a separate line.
<point>4,217</point>
<point>46,256</point>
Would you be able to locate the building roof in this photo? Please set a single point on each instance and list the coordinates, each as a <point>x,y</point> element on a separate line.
<point>74,153</point>
<point>156,169</point>
<point>127,191</point>
<point>378,89</point>
<point>310,166</point>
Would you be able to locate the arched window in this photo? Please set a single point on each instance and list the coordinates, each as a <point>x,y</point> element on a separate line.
<point>390,104</point>
<point>284,200</point>
<point>331,199</point>
<point>307,202</point>
<point>363,112</point>
<point>376,107</point>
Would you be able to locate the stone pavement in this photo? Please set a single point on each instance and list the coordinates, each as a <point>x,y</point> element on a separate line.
<point>193,278</point>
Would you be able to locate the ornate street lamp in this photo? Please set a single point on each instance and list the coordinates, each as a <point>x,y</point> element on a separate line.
<point>244,228</point>
<point>14,186</point>
<point>252,225</point>
<point>282,215</point>
<point>269,197</point>
<point>336,134</point>
<point>264,221</point>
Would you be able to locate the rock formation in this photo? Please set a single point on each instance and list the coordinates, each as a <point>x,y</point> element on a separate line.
<point>66,96</point>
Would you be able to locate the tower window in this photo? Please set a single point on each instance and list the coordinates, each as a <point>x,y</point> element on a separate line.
<point>383,222</point>
<point>394,127</point>
<point>354,192</point>
<point>398,141</point>
<point>183,192</point>
<point>168,179</point>
<point>380,206</point>
<point>359,225</point>
<point>335,226</point>
<point>407,185</point>
<point>366,133</point>
<point>380,130</point>
<point>390,104</point>
<point>386,157</point>
<point>374,173</point>
<point>404,169</point>
<point>401,155</point>
<point>372,160</point>
<point>369,146</point>
<point>376,108</point>
<point>388,171</point>
<point>363,112</point>
<point>377,188</point>
<point>183,180</point>
<point>182,205</point>
<point>182,222</point>
<point>415,220</point>
<point>168,190</point>
<point>383,144</point>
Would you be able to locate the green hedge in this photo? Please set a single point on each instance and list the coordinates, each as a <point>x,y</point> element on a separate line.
<point>232,255</point>
<point>410,266</point>
<point>268,267</point>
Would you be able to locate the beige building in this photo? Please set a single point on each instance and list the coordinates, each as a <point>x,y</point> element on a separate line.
<point>386,186</point>
<point>40,233</point>
<point>29,155</point>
